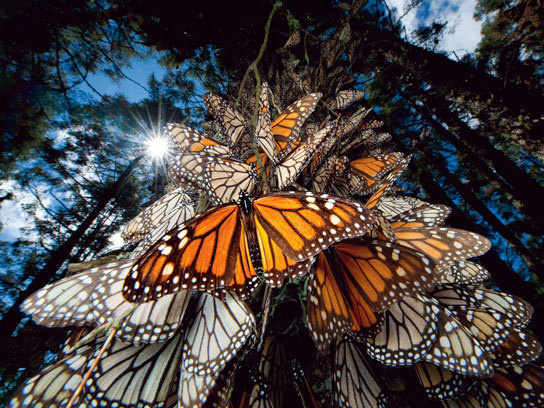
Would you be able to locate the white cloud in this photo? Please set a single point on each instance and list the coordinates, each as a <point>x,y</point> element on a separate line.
<point>11,213</point>
<point>462,32</point>
<point>13,217</point>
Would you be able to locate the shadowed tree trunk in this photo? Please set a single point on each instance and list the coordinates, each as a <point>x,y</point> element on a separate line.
<point>487,97</point>
<point>477,159</point>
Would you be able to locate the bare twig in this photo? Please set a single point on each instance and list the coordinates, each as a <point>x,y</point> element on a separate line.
<point>89,372</point>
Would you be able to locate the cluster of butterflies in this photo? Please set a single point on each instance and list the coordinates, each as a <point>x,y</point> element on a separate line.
<point>379,275</point>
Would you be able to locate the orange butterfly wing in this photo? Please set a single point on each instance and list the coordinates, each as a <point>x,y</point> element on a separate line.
<point>190,140</point>
<point>245,279</point>
<point>199,254</point>
<point>328,312</point>
<point>445,246</point>
<point>303,224</point>
<point>276,265</point>
<point>388,183</point>
<point>366,172</point>
<point>286,126</point>
<point>381,273</point>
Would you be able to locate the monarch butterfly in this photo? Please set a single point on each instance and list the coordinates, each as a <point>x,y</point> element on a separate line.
<point>224,179</point>
<point>273,365</point>
<point>354,280</point>
<point>341,143</point>
<point>350,124</point>
<point>426,215</point>
<point>122,376</point>
<point>164,214</point>
<point>456,349</point>
<point>466,273</point>
<point>232,123</point>
<point>391,206</point>
<point>330,51</point>
<point>212,250</point>
<point>520,386</point>
<point>485,397</point>
<point>440,383</point>
<point>387,183</point>
<point>365,173</point>
<point>321,180</point>
<point>515,308</point>
<point>348,97</point>
<point>416,329</point>
<point>518,349</point>
<point>258,395</point>
<point>94,298</point>
<point>263,130</point>
<point>407,333</point>
<point>294,39</point>
<point>367,140</point>
<point>219,395</point>
<point>263,378</point>
<point>286,127</point>
<point>523,385</point>
<point>489,327</point>
<point>218,332</point>
<point>354,384</point>
<point>323,155</point>
<point>206,349</point>
<point>333,177</point>
<point>187,139</point>
<point>117,380</point>
<point>445,246</point>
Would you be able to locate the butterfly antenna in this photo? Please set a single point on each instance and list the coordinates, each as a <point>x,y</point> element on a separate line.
<point>89,372</point>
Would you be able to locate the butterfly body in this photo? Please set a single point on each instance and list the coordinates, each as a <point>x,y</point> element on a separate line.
<point>216,249</point>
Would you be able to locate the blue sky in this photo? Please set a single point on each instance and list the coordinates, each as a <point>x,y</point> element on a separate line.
<point>462,32</point>
<point>138,72</point>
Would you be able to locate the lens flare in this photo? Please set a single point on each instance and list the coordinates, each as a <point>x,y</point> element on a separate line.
<point>157,147</point>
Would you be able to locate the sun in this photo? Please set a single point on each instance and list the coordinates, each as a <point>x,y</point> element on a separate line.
<point>157,147</point>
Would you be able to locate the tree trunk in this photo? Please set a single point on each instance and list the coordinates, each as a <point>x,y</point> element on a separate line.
<point>526,189</point>
<point>483,95</point>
